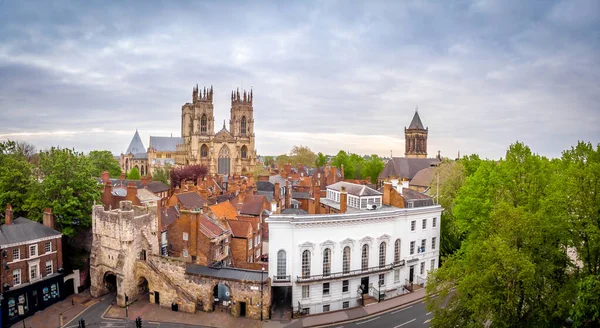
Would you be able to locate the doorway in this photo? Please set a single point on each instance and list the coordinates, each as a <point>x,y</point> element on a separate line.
<point>156,297</point>
<point>242,309</point>
<point>411,274</point>
<point>364,281</point>
<point>69,287</point>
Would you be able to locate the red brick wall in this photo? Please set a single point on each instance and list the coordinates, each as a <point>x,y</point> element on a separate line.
<point>55,256</point>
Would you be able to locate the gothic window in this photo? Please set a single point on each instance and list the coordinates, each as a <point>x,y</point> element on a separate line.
<point>203,123</point>
<point>142,172</point>
<point>382,249</point>
<point>244,152</point>
<point>346,260</point>
<point>243,126</point>
<point>204,151</point>
<point>397,251</point>
<point>281,263</point>
<point>306,264</point>
<point>326,262</point>
<point>364,265</point>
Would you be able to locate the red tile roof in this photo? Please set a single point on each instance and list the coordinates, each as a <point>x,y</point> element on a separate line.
<point>240,229</point>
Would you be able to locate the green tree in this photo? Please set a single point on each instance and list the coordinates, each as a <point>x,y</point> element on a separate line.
<point>133,174</point>
<point>103,160</point>
<point>67,186</point>
<point>512,269</point>
<point>162,174</point>
<point>303,155</point>
<point>283,159</point>
<point>372,167</point>
<point>15,176</point>
<point>268,160</point>
<point>259,170</point>
<point>356,162</point>
<point>343,159</point>
<point>321,160</point>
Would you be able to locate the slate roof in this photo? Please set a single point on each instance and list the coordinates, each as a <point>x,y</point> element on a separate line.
<point>169,216</point>
<point>146,196</point>
<point>268,194</point>
<point>354,189</point>
<point>418,199</point>
<point>297,211</point>
<point>224,210</point>
<point>140,156</point>
<point>191,200</point>
<point>165,143</point>
<point>209,228</point>
<point>24,229</point>
<point>277,178</point>
<point>265,186</point>
<point>253,204</point>
<point>423,178</point>
<point>240,229</point>
<point>300,195</point>
<point>227,273</point>
<point>157,186</point>
<point>136,146</point>
<point>406,168</point>
<point>416,122</point>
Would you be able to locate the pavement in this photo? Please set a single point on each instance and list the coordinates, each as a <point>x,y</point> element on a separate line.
<point>70,307</point>
<point>388,310</point>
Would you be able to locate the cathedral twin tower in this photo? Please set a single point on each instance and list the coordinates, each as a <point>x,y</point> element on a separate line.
<point>226,151</point>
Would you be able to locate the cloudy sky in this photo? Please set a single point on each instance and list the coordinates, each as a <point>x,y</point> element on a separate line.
<point>327,74</point>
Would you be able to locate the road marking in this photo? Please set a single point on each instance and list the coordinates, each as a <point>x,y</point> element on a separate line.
<point>427,321</point>
<point>428,313</point>
<point>400,325</point>
<point>154,322</point>
<point>360,323</point>
<point>408,307</point>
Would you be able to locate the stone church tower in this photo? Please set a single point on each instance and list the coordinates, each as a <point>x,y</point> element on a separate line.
<point>415,138</point>
<point>226,151</point>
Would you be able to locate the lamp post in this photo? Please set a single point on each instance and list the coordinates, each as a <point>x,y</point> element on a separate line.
<point>261,292</point>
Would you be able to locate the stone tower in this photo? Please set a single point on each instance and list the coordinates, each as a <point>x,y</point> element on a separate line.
<point>197,120</point>
<point>415,137</point>
<point>241,121</point>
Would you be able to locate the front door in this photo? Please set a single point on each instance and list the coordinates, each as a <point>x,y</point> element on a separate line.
<point>157,297</point>
<point>364,281</point>
<point>242,309</point>
<point>411,274</point>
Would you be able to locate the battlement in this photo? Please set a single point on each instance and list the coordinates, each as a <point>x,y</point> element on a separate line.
<point>244,98</point>
<point>203,96</point>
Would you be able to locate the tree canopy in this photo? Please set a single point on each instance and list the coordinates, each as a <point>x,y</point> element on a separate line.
<point>511,225</point>
<point>16,176</point>
<point>321,160</point>
<point>103,160</point>
<point>134,174</point>
<point>372,167</point>
<point>162,174</point>
<point>180,174</point>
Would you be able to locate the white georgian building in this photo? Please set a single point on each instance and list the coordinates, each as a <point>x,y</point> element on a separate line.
<point>324,259</point>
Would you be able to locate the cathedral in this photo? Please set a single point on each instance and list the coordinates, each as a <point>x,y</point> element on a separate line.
<point>227,152</point>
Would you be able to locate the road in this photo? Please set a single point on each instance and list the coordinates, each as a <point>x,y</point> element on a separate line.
<point>93,319</point>
<point>414,315</point>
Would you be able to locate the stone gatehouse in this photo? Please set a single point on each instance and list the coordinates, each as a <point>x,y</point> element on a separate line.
<point>125,259</point>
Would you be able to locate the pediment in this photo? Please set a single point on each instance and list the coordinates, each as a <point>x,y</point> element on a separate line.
<point>223,135</point>
<point>384,237</point>
<point>367,240</point>
<point>307,245</point>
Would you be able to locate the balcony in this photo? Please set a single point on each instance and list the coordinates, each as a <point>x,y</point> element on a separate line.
<point>358,272</point>
<point>277,279</point>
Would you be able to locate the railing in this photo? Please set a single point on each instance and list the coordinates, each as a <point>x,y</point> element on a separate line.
<point>408,285</point>
<point>356,272</point>
<point>421,281</point>
<point>282,279</point>
<point>376,294</point>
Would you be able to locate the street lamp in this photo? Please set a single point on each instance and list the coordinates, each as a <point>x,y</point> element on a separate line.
<point>261,292</point>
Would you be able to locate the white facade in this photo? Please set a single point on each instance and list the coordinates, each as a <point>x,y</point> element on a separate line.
<point>316,234</point>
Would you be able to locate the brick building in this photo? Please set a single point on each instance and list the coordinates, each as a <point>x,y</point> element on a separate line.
<point>31,266</point>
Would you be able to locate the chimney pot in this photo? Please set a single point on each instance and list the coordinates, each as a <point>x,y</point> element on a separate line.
<point>8,219</point>
<point>48,218</point>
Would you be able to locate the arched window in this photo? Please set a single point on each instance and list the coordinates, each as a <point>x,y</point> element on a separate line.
<point>204,151</point>
<point>243,126</point>
<point>143,171</point>
<point>382,249</point>
<point>203,124</point>
<point>281,264</point>
<point>326,262</point>
<point>346,260</point>
<point>306,264</point>
<point>397,251</point>
<point>244,152</point>
<point>364,265</point>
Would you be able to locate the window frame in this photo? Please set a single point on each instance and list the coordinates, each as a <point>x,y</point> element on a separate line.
<point>413,225</point>
<point>326,262</point>
<point>34,246</point>
<point>397,249</point>
<point>382,253</point>
<point>306,262</point>
<point>424,224</point>
<point>364,259</point>
<point>422,269</point>
<point>412,247</point>
<point>345,286</point>
<point>346,259</point>
<point>18,257</point>
<point>434,222</point>
<point>17,274</point>
<point>48,247</point>
<point>326,289</point>
<point>433,240</point>
<point>305,291</point>
<point>51,267</point>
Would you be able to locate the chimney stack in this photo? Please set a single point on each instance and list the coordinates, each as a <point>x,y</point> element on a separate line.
<point>288,195</point>
<point>8,219</point>
<point>131,192</point>
<point>48,218</point>
<point>317,197</point>
<point>343,200</point>
<point>387,193</point>
<point>105,176</point>
<point>107,197</point>
<point>122,177</point>
<point>277,191</point>
<point>144,181</point>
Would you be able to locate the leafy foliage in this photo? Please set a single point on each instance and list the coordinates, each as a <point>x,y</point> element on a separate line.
<point>162,174</point>
<point>67,186</point>
<point>15,176</point>
<point>134,174</point>
<point>321,160</point>
<point>103,160</point>
<point>268,160</point>
<point>303,155</point>
<point>372,167</point>
<point>180,174</point>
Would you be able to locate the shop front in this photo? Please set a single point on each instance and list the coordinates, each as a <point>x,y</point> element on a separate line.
<point>23,301</point>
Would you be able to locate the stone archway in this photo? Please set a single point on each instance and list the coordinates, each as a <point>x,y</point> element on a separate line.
<point>142,286</point>
<point>110,282</point>
<point>221,293</point>
<point>224,166</point>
